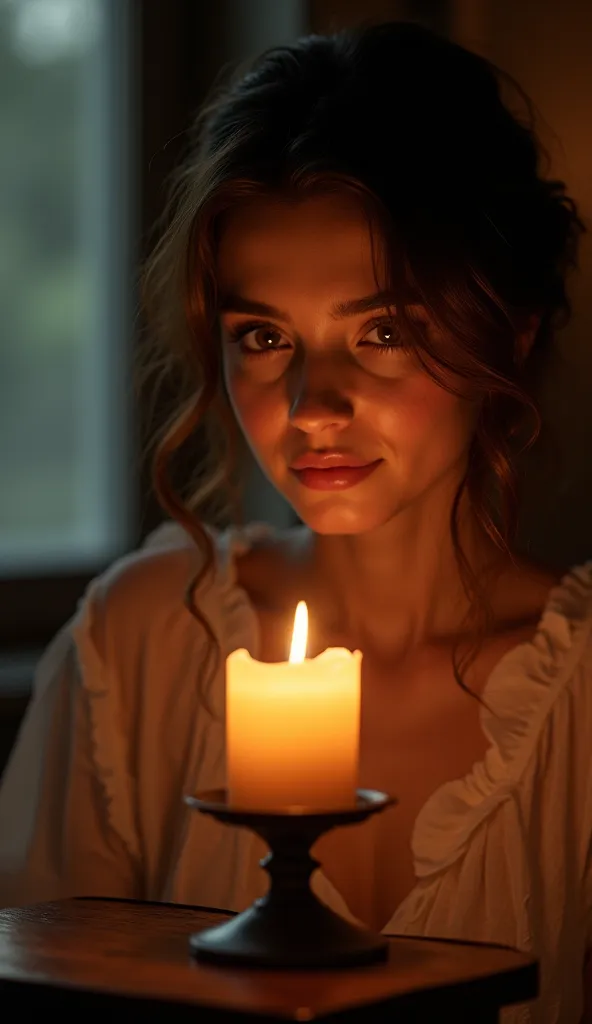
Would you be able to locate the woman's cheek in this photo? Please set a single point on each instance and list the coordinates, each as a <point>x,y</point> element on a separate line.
<point>422,415</point>
<point>257,409</point>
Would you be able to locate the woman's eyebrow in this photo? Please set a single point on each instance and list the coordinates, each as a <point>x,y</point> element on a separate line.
<point>355,307</point>
<point>233,303</point>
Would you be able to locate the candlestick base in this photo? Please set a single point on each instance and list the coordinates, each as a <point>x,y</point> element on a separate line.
<point>289,927</point>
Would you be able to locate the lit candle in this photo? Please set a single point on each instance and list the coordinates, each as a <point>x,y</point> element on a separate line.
<point>293,728</point>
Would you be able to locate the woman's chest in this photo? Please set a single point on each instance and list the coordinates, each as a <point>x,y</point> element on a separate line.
<point>408,749</point>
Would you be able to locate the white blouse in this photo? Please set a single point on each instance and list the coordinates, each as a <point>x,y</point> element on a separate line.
<point>91,802</point>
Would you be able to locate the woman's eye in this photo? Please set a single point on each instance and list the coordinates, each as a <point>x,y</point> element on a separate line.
<point>257,339</point>
<point>385,334</point>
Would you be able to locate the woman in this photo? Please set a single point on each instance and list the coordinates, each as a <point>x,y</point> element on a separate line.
<point>363,260</point>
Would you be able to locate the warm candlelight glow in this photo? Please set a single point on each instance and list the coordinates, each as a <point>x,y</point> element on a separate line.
<point>299,634</point>
<point>293,727</point>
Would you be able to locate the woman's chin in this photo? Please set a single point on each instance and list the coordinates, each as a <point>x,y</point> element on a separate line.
<point>332,519</point>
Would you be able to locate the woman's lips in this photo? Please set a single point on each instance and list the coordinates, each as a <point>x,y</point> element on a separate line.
<point>334,478</point>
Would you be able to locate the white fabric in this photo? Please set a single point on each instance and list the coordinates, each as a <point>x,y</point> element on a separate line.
<point>92,800</point>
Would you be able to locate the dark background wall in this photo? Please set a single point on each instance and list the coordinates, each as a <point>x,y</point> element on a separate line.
<point>546,46</point>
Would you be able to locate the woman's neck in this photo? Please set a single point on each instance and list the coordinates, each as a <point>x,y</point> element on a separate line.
<point>396,587</point>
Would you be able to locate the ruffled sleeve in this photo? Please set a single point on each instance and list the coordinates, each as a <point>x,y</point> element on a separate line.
<point>71,797</point>
<point>517,703</point>
<point>58,835</point>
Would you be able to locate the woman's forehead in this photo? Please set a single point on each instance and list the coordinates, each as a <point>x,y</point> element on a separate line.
<point>315,239</point>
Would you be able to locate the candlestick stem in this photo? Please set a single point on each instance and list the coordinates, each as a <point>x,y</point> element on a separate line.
<point>290,927</point>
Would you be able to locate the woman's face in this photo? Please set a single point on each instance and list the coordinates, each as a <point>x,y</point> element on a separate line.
<point>341,418</point>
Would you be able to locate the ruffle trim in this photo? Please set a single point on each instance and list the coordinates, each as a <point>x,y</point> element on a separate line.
<point>240,625</point>
<point>107,740</point>
<point>237,623</point>
<point>519,695</point>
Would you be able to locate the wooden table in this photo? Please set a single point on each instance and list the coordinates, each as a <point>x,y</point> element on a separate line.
<point>130,959</point>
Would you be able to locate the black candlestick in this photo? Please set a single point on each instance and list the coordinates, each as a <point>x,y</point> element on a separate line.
<point>289,927</point>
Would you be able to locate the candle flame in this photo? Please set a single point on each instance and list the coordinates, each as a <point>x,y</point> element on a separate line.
<point>299,633</point>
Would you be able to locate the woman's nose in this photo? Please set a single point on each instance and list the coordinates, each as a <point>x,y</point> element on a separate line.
<point>318,405</point>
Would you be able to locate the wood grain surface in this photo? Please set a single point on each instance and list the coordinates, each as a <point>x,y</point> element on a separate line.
<point>135,954</point>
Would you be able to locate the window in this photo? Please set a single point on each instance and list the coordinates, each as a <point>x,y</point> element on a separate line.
<point>65,284</point>
<point>95,96</point>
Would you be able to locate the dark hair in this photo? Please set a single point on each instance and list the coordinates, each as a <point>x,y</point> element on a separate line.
<point>416,127</point>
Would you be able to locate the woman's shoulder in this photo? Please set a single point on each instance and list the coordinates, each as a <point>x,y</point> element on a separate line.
<point>159,568</point>
<point>269,567</point>
<point>147,587</point>
<point>537,685</point>
<point>142,586</point>
<point>563,641</point>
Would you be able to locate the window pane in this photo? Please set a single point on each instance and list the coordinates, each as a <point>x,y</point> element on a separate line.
<point>63,244</point>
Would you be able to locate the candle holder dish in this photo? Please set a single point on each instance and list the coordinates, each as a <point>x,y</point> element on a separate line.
<point>289,927</point>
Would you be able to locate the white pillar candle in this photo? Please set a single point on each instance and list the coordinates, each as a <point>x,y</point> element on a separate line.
<point>293,728</point>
